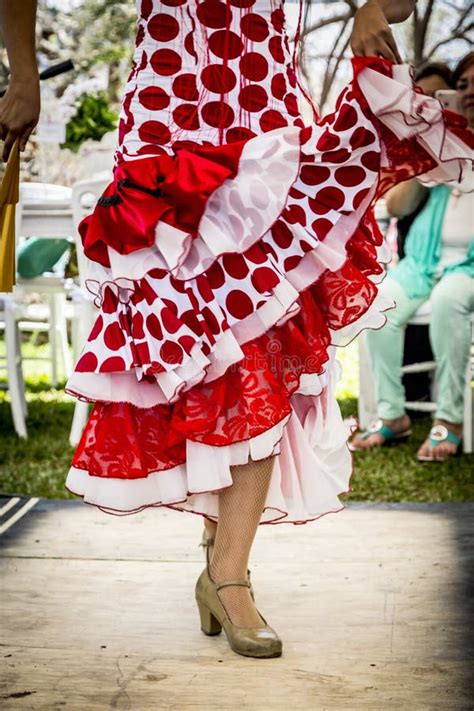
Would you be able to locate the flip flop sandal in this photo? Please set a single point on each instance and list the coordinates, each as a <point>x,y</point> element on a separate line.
<point>440,433</point>
<point>390,437</point>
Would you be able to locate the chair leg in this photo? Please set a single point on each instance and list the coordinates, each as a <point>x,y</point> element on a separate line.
<point>62,333</point>
<point>77,328</point>
<point>81,414</point>
<point>15,383</point>
<point>19,370</point>
<point>82,323</point>
<point>367,408</point>
<point>467,429</point>
<point>53,339</point>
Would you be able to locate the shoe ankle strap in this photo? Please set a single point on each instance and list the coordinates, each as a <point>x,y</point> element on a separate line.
<point>206,543</point>
<point>228,583</point>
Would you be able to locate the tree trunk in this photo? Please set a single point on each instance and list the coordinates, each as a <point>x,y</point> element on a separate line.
<point>420,32</point>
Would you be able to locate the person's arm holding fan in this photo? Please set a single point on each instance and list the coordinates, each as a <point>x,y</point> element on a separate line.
<point>20,107</point>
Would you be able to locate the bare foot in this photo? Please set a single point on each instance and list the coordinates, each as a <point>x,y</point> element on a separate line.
<point>445,449</point>
<point>398,425</point>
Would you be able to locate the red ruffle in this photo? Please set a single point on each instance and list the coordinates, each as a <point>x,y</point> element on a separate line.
<point>125,441</point>
<point>173,189</point>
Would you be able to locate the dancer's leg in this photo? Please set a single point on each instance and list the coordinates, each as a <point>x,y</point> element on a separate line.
<point>210,528</point>
<point>386,350</point>
<point>452,303</point>
<point>240,510</point>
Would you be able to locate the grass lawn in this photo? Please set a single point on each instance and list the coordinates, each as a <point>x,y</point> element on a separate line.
<point>38,466</point>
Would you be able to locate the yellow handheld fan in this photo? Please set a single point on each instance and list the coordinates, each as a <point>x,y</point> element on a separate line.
<point>9,196</point>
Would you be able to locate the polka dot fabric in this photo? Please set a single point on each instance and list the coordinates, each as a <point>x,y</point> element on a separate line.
<point>207,72</point>
<point>218,313</point>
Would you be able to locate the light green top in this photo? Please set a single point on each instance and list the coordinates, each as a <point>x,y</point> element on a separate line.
<point>417,272</point>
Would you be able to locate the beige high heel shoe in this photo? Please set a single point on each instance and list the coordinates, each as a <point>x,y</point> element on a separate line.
<point>260,642</point>
<point>206,543</point>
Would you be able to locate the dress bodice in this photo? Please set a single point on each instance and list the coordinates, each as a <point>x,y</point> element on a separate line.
<point>209,72</point>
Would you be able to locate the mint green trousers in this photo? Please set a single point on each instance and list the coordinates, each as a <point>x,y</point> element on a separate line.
<point>452,303</point>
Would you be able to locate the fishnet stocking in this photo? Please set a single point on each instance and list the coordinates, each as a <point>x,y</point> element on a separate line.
<point>240,510</point>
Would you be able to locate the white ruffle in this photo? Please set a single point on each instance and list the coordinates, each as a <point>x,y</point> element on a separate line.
<point>244,208</point>
<point>280,306</point>
<point>238,213</point>
<point>169,252</point>
<point>409,114</point>
<point>312,468</point>
<point>126,386</point>
<point>331,254</point>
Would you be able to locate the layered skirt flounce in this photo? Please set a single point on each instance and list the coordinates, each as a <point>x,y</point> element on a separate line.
<point>225,277</point>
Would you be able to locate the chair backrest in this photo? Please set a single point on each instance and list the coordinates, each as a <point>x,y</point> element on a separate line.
<point>44,210</point>
<point>85,194</point>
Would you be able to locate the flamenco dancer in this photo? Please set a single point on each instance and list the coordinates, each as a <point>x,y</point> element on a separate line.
<point>233,252</point>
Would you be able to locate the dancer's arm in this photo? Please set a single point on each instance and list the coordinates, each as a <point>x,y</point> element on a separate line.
<point>395,10</point>
<point>371,34</point>
<point>20,107</point>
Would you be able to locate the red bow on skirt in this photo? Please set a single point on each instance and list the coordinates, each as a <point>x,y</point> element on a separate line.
<point>174,189</point>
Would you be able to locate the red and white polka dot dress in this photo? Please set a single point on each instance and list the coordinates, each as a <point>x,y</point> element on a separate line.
<point>235,249</point>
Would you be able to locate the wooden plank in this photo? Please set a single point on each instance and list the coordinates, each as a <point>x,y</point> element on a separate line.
<point>205,681</point>
<point>373,606</point>
<point>160,534</point>
<point>379,610</point>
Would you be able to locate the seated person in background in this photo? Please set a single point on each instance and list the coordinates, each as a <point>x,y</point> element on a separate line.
<point>430,78</point>
<point>438,266</point>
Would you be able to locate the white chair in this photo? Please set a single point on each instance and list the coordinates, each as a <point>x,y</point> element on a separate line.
<point>45,210</point>
<point>9,322</point>
<point>85,194</point>
<point>367,408</point>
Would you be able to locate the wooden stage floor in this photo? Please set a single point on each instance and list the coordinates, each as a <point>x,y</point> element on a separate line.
<point>374,605</point>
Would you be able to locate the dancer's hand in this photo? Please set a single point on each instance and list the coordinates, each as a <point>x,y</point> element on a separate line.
<point>19,112</point>
<point>371,34</point>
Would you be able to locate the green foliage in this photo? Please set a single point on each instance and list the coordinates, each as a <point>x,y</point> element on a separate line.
<point>106,30</point>
<point>39,466</point>
<point>92,120</point>
<point>394,474</point>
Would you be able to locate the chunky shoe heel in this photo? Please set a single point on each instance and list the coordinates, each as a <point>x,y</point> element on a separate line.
<point>209,624</point>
